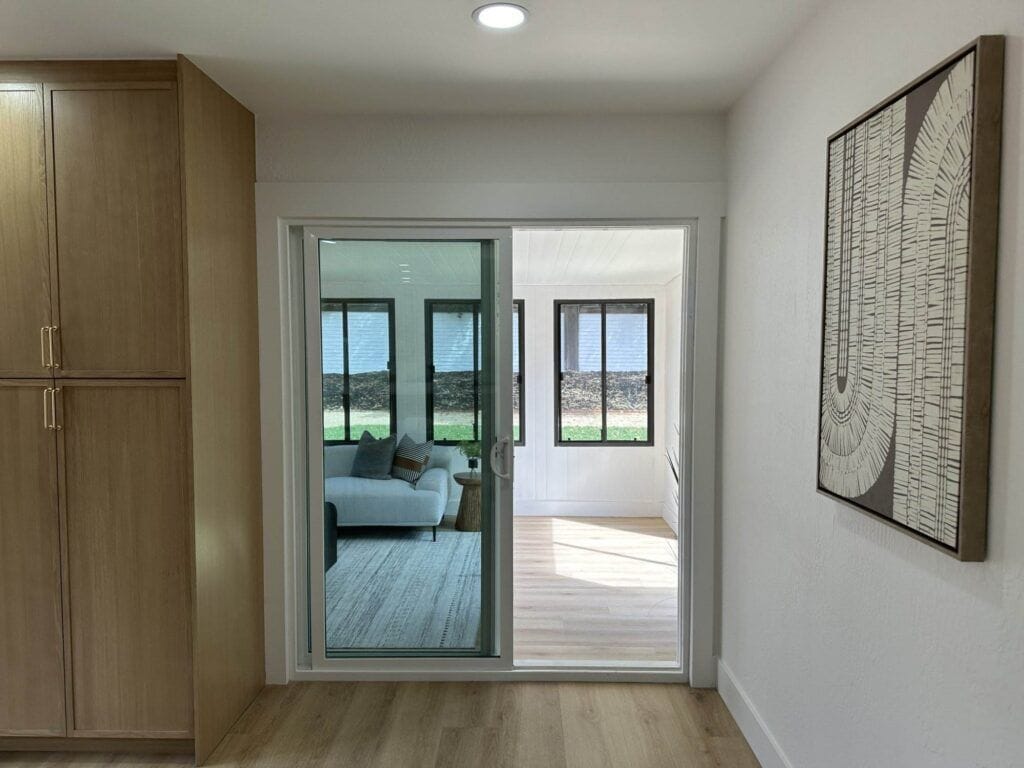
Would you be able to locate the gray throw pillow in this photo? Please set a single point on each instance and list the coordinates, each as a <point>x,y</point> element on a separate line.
<point>411,459</point>
<point>373,457</point>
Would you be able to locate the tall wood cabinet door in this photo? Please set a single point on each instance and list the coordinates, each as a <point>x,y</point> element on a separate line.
<point>31,639</point>
<point>117,201</point>
<point>129,563</point>
<point>24,251</point>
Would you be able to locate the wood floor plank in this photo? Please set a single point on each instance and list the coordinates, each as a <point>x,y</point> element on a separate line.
<point>467,747</point>
<point>531,729</point>
<point>411,730</point>
<point>463,725</point>
<point>595,589</point>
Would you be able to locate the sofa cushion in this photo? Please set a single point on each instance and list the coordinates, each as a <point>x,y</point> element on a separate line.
<point>374,457</point>
<point>361,501</point>
<point>411,459</point>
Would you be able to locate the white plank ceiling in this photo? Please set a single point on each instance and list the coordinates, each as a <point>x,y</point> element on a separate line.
<point>591,256</point>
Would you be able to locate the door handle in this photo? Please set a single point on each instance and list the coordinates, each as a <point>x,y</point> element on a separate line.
<point>46,414</point>
<point>42,347</point>
<point>502,447</point>
<point>53,408</point>
<point>49,335</point>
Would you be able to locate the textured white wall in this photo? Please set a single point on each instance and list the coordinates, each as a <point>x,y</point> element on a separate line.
<point>857,645</point>
<point>490,149</point>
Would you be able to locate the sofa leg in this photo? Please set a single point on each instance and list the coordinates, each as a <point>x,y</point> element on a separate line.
<point>435,533</point>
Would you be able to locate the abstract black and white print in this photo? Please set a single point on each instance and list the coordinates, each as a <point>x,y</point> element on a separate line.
<point>895,307</point>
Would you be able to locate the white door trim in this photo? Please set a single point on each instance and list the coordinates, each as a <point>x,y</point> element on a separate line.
<point>284,442</point>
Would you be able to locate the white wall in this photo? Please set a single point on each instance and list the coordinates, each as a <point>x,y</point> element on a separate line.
<point>854,644</point>
<point>473,148</point>
<point>589,480</point>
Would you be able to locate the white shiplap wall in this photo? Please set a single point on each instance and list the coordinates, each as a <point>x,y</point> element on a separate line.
<point>591,480</point>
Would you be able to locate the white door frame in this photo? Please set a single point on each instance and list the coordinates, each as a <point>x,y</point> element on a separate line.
<point>500,303</point>
<point>280,249</point>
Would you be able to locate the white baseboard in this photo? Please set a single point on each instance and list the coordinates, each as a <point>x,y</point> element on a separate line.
<point>753,726</point>
<point>535,508</point>
<point>671,517</point>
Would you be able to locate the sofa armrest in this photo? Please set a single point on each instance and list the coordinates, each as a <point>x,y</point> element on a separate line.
<point>436,480</point>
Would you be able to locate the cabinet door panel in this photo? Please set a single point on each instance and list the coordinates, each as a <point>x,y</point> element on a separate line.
<point>31,639</point>
<point>24,254</point>
<point>129,559</point>
<point>117,197</point>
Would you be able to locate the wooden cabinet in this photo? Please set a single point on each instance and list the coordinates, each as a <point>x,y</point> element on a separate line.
<point>129,408</point>
<point>110,262</point>
<point>24,255</point>
<point>124,498</point>
<point>31,640</point>
<point>117,202</point>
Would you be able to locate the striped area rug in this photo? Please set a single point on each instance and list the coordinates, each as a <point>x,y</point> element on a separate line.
<point>395,588</point>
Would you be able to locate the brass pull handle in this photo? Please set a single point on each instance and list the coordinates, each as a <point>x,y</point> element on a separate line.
<point>53,408</point>
<point>49,334</point>
<point>42,346</point>
<point>46,415</point>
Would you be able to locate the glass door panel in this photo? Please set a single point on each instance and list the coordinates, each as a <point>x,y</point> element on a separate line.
<point>405,390</point>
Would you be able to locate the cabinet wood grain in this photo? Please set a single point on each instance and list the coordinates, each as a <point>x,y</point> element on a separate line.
<point>24,257</point>
<point>218,159</point>
<point>117,201</point>
<point>129,549</point>
<point>31,644</point>
<point>86,70</point>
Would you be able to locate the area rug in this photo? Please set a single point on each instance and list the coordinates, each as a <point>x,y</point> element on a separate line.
<point>395,588</point>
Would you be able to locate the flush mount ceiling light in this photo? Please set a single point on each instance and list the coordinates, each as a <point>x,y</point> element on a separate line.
<point>500,15</point>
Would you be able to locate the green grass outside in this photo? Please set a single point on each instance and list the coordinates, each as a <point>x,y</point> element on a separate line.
<point>459,432</point>
<point>338,433</point>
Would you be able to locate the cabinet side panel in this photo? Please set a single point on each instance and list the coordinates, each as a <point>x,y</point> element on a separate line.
<point>218,155</point>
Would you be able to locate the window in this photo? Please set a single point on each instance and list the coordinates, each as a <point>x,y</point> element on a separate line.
<point>518,366</point>
<point>358,340</point>
<point>453,370</point>
<point>604,357</point>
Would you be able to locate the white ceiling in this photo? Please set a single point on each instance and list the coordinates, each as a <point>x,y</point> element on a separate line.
<point>384,264</point>
<point>591,256</point>
<point>428,57</point>
<point>579,257</point>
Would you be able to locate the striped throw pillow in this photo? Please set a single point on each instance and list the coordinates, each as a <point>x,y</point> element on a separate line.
<point>411,459</point>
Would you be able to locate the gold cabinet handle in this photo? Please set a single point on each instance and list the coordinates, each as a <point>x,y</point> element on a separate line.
<point>49,334</point>
<point>53,408</point>
<point>42,345</point>
<point>46,415</point>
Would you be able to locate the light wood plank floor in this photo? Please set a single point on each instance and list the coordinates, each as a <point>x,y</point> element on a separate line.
<point>467,725</point>
<point>595,589</point>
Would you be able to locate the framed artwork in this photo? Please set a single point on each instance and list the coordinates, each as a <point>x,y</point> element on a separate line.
<point>909,289</point>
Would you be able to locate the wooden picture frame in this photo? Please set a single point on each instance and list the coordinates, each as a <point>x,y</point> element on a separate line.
<point>908,299</point>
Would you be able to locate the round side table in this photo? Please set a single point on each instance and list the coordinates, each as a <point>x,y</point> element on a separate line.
<point>469,504</point>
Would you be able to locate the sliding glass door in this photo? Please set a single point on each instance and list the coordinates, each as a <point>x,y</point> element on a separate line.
<point>409,382</point>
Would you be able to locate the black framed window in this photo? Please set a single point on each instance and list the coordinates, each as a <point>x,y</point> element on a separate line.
<point>453,360</point>
<point>604,355</point>
<point>358,359</point>
<point>518,369</point>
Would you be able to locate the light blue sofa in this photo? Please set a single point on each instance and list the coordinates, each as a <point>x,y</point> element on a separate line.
<point>361,501</point>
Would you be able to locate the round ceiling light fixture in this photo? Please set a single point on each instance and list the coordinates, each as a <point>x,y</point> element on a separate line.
<point>500,15</point>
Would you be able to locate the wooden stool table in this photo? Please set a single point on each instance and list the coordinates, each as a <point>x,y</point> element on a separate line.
<point>469,504</point>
